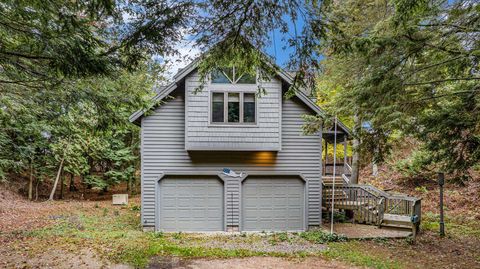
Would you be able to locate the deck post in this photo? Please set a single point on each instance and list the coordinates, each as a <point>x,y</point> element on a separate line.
<point>326,158</point>
<point>345,170</point>
<point>441,182</point>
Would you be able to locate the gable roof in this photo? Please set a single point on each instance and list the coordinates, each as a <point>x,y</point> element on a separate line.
<point>182,73</point>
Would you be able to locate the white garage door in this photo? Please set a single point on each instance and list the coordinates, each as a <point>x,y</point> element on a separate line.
<point>191,204</point>
<point>273,204</point>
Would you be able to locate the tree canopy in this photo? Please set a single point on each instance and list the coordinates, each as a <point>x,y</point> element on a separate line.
<point>409,68</point>
<point>72,72</point>
<point>44,42</point>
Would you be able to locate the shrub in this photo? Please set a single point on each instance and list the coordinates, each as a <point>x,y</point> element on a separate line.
<point>321,237</point>
<point>158,235</point>
<point>135,208</point>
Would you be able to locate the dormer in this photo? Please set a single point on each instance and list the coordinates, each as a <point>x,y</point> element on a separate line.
<point>231,113</point>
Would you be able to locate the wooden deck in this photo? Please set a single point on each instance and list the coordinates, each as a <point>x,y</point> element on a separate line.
<point>371,205</point>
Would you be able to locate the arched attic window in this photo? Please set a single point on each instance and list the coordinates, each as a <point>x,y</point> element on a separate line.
<point>230,75</point>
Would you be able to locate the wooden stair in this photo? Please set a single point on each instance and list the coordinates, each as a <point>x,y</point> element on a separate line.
<point>397,221</point>
<point>371,205</point>
<point>329,180</point>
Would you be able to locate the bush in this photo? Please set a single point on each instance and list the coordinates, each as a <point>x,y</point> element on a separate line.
<point>417,165</point>
<point>321,237</point>
<point>158,234</point>
<point>278,237</point>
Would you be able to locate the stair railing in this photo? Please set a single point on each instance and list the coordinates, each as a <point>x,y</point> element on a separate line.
<point>371,204</point>
<point>366,205</point>
<point>400,204</point>
<point>381,211</point>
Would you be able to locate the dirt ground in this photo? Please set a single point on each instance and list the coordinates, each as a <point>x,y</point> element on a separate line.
<point>246,263</point>
<point>362,231</point>
<point>18,217</point>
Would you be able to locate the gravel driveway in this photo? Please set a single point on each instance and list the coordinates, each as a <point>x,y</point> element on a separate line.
<point>286,243</point>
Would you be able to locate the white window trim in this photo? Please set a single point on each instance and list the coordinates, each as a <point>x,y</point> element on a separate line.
<point>235,79</point>
<point>241,90</point>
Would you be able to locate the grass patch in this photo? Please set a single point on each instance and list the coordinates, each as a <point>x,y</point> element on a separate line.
<point>116,235</point>
<point>459,226</point>
<point>139,253</point>
<point>322,237</point>
<point>353,252</point>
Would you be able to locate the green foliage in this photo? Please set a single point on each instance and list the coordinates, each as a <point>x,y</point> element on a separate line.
<point>225,26</point>
<point>85,123</point>
<point>355,253</point>
<point>421,189</point>
<point>178,235</point>
<point>415,165</point>
<point>136,208</point>
<point>407,69</point>
<point>158,234</point>
<point>322,237</point>
<point>454,225</point>
<point>44,42</point>
<point>105,212</point>
<point>276,238</point>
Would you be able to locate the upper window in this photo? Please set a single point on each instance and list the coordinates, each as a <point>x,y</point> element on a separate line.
<point>233,107</point>
<point>231,76</point>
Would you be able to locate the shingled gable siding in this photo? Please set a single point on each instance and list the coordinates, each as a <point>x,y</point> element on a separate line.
<point>163,151</point>
<point>201,134</point>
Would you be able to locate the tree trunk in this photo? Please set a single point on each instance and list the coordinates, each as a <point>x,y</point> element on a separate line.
<point>36,189</point>
<point>355,148</point>
<point>52,193</point>
<point>72,183</point>
<point>374,169</point>
<point>30,182</point>
<point>91,170</point>
<point>62,180</point>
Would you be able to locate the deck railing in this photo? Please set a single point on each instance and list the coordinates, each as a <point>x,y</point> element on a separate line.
<point>367,206</point>
<point>340,168</point>
<point>371,204</point>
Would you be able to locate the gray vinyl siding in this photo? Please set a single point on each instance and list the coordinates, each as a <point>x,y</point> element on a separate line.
<point>163,152</point>
<point>202,135</point>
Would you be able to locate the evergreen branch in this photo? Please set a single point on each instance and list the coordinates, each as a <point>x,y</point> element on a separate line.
<point>440,81</point>
<point>475,89</point>
<point>27,56</point>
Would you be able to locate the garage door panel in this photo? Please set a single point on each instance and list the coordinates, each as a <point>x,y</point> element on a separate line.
<point>188,204</point>
<point>273,204</point>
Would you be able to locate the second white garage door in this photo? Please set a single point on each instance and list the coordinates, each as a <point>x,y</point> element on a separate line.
<point>273,204</point>
<point>191,204</point>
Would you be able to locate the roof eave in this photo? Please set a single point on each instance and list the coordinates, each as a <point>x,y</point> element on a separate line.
<point>136,116</point>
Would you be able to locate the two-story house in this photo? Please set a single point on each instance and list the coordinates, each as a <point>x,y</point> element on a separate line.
<point>190,137</point>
